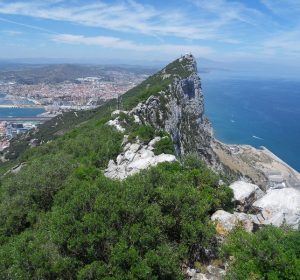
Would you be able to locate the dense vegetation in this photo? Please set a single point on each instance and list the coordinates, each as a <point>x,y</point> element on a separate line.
<point>60,218</point>
<point>271,253</point>
<point>73,222</point>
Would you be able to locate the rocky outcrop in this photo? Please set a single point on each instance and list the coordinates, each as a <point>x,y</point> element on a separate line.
<point>276,207</point>
<point>212,273</point>
<point>179,110</point>
<point>280,206</point>
<point>135,157</point>
<point>244,194</point>
<point>116,124</point>
<point>226,222</point>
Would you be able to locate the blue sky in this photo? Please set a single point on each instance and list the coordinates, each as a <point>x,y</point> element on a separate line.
<point>248,31</point>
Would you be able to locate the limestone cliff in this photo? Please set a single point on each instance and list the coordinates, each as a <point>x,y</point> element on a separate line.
<point>174,102</point>
<point>179,110</point>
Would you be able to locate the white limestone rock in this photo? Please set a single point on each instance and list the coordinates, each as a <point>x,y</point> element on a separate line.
<point>135,157</point>
<point>164,157</point>
<point>213,273</point>
<point>115,123</point>
<point>226,222</point>
<point>154,141</point>
<point>118,112</point>
<point>280,206</point>
<point>245,194</point>
<point>136,119</point>
<point>134,147</point>
<point>129,155</point>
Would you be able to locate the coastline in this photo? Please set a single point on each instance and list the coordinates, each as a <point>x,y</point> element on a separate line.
<point>256,164</point>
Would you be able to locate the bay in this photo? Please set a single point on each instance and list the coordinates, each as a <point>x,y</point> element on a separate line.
<point>17,112</point>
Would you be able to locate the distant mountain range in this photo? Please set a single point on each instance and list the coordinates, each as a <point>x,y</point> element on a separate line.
<point>56,73</point>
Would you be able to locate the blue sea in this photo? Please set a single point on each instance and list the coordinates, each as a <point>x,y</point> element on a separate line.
<point>257,112</point>
<point>17,112</point>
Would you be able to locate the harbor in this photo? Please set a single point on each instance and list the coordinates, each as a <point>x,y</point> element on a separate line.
<point>30,106</point>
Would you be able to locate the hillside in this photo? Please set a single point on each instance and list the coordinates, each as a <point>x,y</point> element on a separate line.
<point>57,73</point>
<point>63,217</point>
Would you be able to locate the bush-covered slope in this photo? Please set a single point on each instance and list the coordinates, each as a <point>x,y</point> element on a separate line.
<point>61,124</point>
<point>61,218</point>
<point>83,225</point>
<point>270,253</point>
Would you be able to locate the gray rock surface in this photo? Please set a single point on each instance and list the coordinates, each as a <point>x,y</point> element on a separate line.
<point>276,207</point>
<point>135,157</point>
<point>280,206</point>
<point>115,123</point>
<point>212,273</point>
<point>226,222</point>
<point>245,194</point>
<point>179,110</point>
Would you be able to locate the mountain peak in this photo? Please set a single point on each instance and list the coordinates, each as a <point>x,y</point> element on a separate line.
<point>176,106</point>
<point>181,67</point>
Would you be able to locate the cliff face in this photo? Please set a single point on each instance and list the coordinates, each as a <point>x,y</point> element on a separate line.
<point>176,105</point>
<point>179,110</point>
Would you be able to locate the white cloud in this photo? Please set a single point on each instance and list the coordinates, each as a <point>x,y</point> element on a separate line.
<point>284,42</point>
<point>117,43</point>
<point>27,26</point>
<point>131,16</point>
<point>246,32</point>
<point>283,7</point>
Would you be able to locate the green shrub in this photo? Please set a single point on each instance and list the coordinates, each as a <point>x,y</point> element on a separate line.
<point>270,253</point>
<point>164,146</point>
<point>145,133</point>
<point>142,228</point>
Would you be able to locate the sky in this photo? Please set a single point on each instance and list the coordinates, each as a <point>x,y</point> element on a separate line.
<point>259,34</point>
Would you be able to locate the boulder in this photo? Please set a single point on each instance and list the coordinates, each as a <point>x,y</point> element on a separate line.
<point>245,194</point>
<point>212,273</point>
<point>115,123</point>
<point>135,157</point>
<point>118,112</point>
<point>226,222</point>
<point>280,206</point>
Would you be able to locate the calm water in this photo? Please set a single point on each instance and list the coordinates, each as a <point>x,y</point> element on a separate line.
<point>256,112</point>
<point>17,112</point>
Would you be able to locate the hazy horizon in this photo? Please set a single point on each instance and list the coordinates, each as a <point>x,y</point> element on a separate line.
<point>261,35</point>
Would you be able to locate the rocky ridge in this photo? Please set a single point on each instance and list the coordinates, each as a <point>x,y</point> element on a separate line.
<point>179,111</point>
<point>254,208</point>
<point>134,158</point>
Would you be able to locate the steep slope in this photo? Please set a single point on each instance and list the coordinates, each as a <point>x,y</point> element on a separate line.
<point>170,100</point>
<point>61,218</point>
<point>179,110</point>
